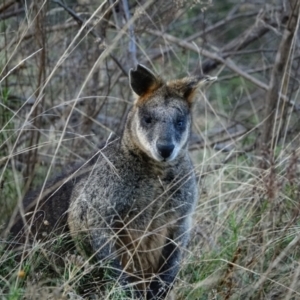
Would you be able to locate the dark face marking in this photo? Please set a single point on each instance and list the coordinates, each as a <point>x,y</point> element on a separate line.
<point>170,119</point>
<point>164,127</point>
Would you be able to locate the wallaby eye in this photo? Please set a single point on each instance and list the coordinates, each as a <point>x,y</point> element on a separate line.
<point>179,123</point>
<point>148,120</point>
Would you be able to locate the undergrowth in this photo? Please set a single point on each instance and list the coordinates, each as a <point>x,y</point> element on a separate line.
<point>62,95</point>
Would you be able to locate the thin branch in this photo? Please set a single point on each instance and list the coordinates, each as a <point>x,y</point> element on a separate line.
<point>99,39</point>
<point>196,145</point>
<point>6,5</point>
<point>132,43</point>
<point>10,14</point>
<point>219,24</point>
<point>218,60</point>
<point>79,20</point>
<point>247,37</point>
<point>279,78</point>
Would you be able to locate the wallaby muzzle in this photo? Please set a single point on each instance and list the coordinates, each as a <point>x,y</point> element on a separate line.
<point>165,149</point>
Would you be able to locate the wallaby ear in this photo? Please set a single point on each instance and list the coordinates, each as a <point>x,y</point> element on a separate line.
<point>143,81</point>
<point>187,87</point>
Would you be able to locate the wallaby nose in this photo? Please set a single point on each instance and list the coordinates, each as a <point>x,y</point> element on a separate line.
<point>165,150</point>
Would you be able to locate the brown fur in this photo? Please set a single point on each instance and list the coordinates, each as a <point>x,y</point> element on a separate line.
<point>187,87</point>
<point>148,94</point>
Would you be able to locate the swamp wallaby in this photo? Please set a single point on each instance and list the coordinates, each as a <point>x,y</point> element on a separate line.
<point>132,203</point>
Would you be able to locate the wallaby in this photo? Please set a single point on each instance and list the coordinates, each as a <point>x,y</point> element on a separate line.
<point>131,205</point>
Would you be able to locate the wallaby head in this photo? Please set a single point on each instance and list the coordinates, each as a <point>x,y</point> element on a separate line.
<point>160,120</point>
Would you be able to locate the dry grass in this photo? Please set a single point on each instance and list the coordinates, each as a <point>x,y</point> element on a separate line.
<point>62,92</point>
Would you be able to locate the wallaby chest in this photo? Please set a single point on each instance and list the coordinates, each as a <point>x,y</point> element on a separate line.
<point>141,204</point>
<point>139,194</point>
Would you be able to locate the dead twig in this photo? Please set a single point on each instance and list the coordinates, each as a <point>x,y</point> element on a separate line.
<point>99,38</point>
<point>10,14</point>
<point>80,21</point>
<point>132,42</point>
<point>35,134</point>
<point>279,80</point>
<point>220,60</point>
<point>6,5</point>
<point>247,37</point>
<point>196,145</point>
<point>221,23</point>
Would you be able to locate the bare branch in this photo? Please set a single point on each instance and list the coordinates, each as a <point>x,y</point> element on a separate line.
<point>132,43</point>
<point>243,40</point>
<point>79,20</point>
<point>279,78</point>
<point>99,39</point>
<point>6,5</point>
<point>221,23</point>
<point>12,13</point>
<point>218,59</point>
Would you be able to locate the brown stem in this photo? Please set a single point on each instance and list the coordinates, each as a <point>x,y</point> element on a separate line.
<point>279,81</point>
<point>35,136</point>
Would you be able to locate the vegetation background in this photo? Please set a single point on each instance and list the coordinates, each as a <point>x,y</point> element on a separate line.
<point>64,90</point>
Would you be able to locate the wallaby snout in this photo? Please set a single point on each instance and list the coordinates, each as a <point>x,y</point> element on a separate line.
<point>165,149</point>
